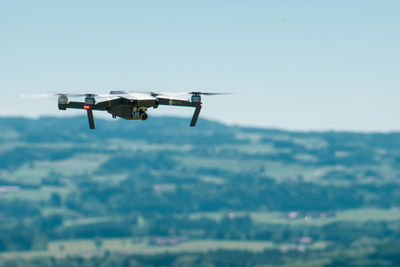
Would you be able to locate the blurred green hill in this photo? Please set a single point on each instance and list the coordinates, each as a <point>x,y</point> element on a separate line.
<point>155,186</point>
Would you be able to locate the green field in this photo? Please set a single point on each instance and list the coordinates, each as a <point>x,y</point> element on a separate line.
<point>88,248</point>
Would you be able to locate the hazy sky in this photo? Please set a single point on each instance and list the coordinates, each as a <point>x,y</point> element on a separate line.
<point>292,64</point>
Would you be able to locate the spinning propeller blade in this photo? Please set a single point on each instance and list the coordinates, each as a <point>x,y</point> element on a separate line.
<point>208,93</point>
<point>186,93</point>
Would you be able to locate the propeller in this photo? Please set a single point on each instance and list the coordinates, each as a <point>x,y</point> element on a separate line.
<point>65,94</point>
<point>208,93</point>
<point>187,93</point>
<point>55,95</point>
<point>37,96</point>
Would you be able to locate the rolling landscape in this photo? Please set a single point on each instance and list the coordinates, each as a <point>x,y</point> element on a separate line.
<point>163,194</point>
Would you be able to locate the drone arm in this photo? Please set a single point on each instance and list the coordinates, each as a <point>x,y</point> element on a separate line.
<point>102,105</point>
<point>91,119</point>
<point>89,109</point>
<point>75,105</point>
<point>195,116</point>
<point>175,102</point>
<point>182,103</point>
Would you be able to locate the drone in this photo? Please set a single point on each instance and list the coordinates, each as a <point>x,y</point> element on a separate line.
<point>131,105</point>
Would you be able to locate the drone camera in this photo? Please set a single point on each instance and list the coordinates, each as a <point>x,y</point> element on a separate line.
<point>144,116</point>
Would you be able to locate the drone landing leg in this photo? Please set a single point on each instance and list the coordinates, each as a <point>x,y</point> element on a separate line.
<point>195,116</point>
<point>91,119</point>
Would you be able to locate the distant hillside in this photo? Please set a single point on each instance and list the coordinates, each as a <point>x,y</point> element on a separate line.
<point>76,128</point>
<point>60,180</point>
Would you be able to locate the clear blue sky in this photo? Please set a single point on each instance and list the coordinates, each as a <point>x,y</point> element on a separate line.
<point>293,64</point>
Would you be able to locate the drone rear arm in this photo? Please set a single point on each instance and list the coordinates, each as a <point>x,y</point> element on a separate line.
<point>104,105</point>
<point>195,116</point>
<point>183,103</point>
